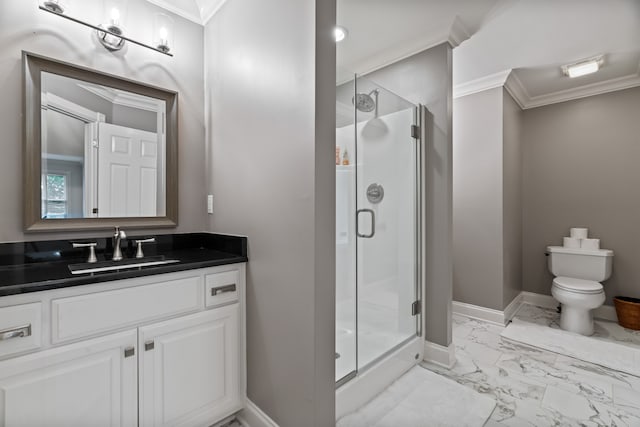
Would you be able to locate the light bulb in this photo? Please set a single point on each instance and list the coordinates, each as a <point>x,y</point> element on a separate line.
<point>115,16</point>
<point>163,33</point>
<point>583,69</point>
<point>340,33</point>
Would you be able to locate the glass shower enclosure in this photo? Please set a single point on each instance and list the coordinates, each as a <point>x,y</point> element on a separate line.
<point>377,225</point>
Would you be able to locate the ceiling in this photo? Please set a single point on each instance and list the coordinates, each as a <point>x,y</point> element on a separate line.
<point>531,37</point>
<point>198,11</point>
<point>517,43</point>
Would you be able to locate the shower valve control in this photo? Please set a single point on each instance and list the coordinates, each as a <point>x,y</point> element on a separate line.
<point>375,193</point>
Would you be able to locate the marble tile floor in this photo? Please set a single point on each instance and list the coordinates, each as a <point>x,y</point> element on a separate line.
<point>533,387</point>
<point>603,330</point>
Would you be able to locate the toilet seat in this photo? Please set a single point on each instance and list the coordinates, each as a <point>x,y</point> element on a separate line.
<point>579,286</point>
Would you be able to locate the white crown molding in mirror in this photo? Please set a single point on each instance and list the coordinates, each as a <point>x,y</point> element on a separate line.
<point>125,99</point>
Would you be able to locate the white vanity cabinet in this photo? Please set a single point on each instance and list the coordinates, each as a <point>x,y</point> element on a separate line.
<point>84,384</point>
<point>149,351</point>
<point>189,368</point>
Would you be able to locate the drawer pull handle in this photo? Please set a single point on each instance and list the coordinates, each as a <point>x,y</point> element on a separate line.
<point>149,345</point>
<point>223,289</point>
<point>129,351</point>
<point>19,332</point>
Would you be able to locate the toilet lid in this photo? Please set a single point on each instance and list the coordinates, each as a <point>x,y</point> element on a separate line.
<point>578,285</point>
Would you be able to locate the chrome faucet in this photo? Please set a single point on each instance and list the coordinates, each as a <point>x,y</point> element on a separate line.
<point>117,236</point>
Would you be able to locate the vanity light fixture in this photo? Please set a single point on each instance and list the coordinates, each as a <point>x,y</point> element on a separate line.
<point>340,33</point>
<point>162,32</point>
<point>582,68</point>
<point>111,34</point>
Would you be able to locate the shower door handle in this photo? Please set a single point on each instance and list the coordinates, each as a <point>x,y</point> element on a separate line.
<point>373,223</point>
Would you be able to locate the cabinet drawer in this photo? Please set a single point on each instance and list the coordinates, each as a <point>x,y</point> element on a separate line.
<point>85,315</point>
<point>20,328</point>
<point>222,288</point>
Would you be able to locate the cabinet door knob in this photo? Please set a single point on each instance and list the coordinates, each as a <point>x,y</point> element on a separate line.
<point>149,345</point>
<point>129,351</point>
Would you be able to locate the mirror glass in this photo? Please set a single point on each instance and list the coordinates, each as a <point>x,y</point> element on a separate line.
<point>100,150</point>
<point>103,151</point>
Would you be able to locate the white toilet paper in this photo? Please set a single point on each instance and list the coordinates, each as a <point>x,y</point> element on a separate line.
<point>571,242</point>
<point>579,233</point>
<point>590,244</point>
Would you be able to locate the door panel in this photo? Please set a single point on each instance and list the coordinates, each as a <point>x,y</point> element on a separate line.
<point>189,369</point>
<point>85,384</point>
<point>127,171</point>
<point>387,214</point>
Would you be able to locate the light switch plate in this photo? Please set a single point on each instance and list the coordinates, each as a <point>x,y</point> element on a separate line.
<point>210,203</point>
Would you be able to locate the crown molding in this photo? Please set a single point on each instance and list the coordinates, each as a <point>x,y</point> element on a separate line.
<point>483,83</point>
<point>124,99</point>
<point>457,33</point>
<point>592,89</point>
<point>509,79</point>
<point>516,89</point>
<point>209,12</point>
<point>170,7</point>
<point>205,13</point>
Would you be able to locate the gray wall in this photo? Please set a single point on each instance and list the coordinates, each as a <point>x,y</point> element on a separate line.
<point>487,199</point>
<point>425,78</point>
<point>512,199</point>
<point>477,199</point>
<point>271,151</point>
<point>581,169</point>
<point>24,27</point>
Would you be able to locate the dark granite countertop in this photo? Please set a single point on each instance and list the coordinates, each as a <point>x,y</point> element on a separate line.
<point>43,265</point>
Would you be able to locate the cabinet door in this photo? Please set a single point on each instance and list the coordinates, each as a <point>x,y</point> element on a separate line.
<point>189,369</point>
<point>91,383</point>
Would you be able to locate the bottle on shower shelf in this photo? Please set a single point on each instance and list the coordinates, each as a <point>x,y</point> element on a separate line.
<point>345,158</point>
<point>337,154</point>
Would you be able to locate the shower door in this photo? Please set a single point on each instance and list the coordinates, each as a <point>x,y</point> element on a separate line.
<point>377,225</point>
<point>386,221</point>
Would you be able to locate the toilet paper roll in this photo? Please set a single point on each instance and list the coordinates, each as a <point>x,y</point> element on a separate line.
<point>571,242</point>
<point>590,244</point>
<point>579,233</point>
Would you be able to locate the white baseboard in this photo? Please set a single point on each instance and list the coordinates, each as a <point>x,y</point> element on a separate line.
<point>477,312</point>
<point>252,416</point>
<point>512,308</point>
<point>545,301</point>
<point>439,355</point>
<point>605,312</point>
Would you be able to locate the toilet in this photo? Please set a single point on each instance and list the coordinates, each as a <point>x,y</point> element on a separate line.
<point>577,284</point>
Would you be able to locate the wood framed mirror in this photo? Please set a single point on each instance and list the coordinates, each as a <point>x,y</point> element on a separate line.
<point>99,150</point>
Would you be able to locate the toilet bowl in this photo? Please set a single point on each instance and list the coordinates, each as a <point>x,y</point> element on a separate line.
<point>578,298</point>
<point>577,284</point>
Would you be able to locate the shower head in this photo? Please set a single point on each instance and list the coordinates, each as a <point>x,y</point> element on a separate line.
<point>364,102</point>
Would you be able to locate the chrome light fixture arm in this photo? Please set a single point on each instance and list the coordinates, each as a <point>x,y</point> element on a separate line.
<point>103,32</point>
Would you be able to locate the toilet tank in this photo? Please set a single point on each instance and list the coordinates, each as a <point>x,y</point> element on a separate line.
<point>587,264</point>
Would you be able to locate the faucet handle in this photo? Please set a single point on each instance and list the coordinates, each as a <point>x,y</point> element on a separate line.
<point>139,253</point>
<point>92,250</point>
